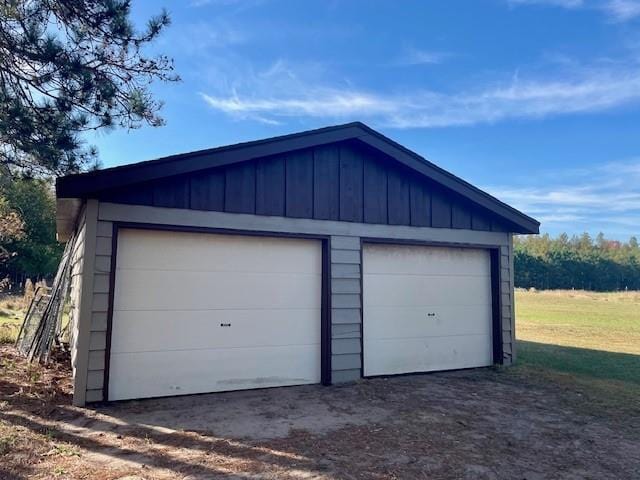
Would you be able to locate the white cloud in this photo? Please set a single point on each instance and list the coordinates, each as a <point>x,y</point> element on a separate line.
<point>622,10</point>
<point>616,10</point>
<point>280,92</point>
<point>605,197</point>
<point>202,38</point>
<point>224,3</point>
<point>554,3</point>
<point>414,56</point>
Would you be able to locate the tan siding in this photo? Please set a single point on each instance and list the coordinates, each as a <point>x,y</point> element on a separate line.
<point>81,298</point>
<point>99,311</point>
<point>346,314</point>
<point>507,302</point>
<point>94,395</point>
<point>77,262</point>
<point>345,255</point>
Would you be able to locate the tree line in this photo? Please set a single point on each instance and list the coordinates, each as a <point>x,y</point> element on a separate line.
<point>28,245</point>
<point>578,262</point>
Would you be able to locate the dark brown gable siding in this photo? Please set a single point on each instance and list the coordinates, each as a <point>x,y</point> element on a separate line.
<point>240,188</point>
<point>142,194</point>
<point>345,181</point>
<point>299,184</point>
<point>351,188</point>
<point>326,182</point>
<point>375,192</point>
<point>480,221</point>
<point>172,192</point>
<point>270,187</point>
<point>207,190</point>
<point>420,200</point>
<point>460,216</point>
<point>399,208</point>
<point>440,209</point>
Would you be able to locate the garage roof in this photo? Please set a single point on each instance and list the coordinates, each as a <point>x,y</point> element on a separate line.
<point>87,185</point>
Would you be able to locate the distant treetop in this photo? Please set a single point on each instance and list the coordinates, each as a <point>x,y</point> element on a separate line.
<point>578,262</point>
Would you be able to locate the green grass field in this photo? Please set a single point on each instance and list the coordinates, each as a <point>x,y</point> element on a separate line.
<point>588,339</point>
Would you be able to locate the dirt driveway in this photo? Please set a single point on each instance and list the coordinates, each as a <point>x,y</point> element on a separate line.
<point>472,424</point>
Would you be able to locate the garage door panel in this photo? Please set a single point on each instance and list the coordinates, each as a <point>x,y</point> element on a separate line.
<point>141,331</point>
<point>158,250</point>
<point>427,290</point>
<point>197,313</point>
<point>409,259</point>
<point>425,308</point>
<point>424,355</point>
<point>415,322</point>
<point>171,290</point>
<point>182,372</point>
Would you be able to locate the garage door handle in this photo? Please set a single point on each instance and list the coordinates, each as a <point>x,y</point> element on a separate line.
<point>225,324</point>
<point>432,314</point>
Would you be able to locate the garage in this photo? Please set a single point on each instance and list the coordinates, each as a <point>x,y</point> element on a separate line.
<point>426,308</point>
<point>322,256</point>
<point>200,313</point>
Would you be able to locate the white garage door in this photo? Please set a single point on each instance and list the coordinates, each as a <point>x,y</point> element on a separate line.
<point>200,313</point>
<point>425,308</point>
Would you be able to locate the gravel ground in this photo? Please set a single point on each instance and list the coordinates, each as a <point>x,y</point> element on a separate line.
<point>476,424</point>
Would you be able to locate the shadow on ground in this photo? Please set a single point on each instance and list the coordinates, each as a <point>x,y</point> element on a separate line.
<point>480,424</point>
<point>581,361</point>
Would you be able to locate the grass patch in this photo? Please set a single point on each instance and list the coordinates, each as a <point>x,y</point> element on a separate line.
<point>587,342</point>
<point>11,316</point>
<point>590,320</point>
<point>600,364</point>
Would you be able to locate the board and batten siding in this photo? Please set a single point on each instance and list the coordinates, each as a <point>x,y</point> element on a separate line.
<point>346,181</point>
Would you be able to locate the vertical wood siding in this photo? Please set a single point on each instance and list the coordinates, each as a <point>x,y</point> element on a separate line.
<point>351,191</point>
<point>270,187</point>
<point>207,191</point>
<point>299,184</point>
<point>343,181</point>
<point>399,208</point>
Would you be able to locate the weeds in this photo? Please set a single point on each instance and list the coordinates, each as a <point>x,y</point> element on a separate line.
<point>59,471</point>
<point>34,374</point>
<point>6,443</point>
<point>65,450</point>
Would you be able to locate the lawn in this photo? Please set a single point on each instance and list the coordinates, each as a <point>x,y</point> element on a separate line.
<point>592,320</point>
<point>588,340</point>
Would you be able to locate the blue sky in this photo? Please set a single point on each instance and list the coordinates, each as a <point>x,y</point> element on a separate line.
<point>535,101</point>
